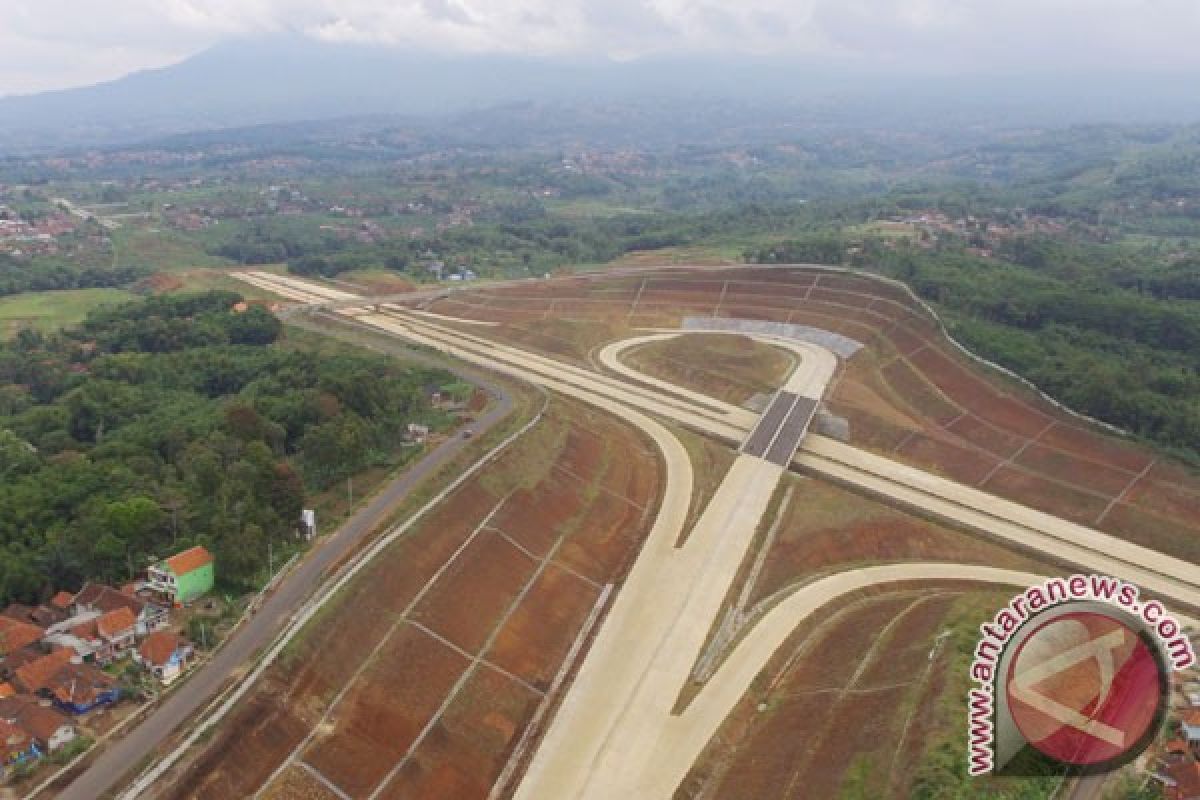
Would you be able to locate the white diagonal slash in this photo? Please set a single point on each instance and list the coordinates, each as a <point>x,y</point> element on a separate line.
<point>1099,649</point>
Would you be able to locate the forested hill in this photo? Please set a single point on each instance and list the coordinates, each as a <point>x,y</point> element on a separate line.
<point>1117,341</point>
<point>176,421</point>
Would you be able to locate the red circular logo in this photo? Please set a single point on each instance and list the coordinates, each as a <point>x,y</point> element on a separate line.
<point>1085,688</point>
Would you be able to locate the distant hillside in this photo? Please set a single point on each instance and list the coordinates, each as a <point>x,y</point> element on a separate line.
<point>250,82</point>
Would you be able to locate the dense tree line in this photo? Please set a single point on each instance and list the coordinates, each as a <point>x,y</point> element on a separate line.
<point>17,277</point>
<point>175,421</point>
<point>1128,357</point>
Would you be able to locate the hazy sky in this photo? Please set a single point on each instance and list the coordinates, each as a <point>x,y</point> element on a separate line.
<point>58,43</point>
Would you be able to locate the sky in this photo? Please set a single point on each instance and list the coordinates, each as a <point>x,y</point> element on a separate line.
<point>49,44</point>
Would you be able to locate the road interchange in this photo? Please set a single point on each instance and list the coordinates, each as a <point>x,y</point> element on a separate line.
<point>616,733</point>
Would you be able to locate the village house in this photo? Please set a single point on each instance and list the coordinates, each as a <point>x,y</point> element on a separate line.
<point>36,674</point>
<point>43,616</point>
<point>77,634</point>
<point>165,654</point>
<point>50,728</point>
<point>183,577</point>
<point>73,686</point>
<point>1189,727</point>
<point>15,660</point>
<point>96,636</point>
<point>62,601</point>
<point>1180,780</point>
<point>118,629</point>
<point>15,635</point>
<point>80,688</point>
<point>101,598</point>
<point>16,746</point>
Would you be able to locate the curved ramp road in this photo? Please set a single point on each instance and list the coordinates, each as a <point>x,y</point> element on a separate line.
<point>671,755</point>
<point>978,510</point>
<point>615,736</point>
<point>622,697</point>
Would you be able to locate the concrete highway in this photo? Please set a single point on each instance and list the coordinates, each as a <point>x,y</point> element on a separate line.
<point>622,698</point>
<point>130,750</point>
<point>992,516</point>
<point>614,735</point>
<point>602,775</point>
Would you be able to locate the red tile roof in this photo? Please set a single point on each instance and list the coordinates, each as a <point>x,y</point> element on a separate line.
<point>26,655</point>
<point>33,717</point>
<point>87,630</point>
<point>12,740</point>
<point>1191,717</point>
<point>158,647</point>
<point>116,622</point>
<point>189,560</point>
<point>78,684</point>
<point>6,690</point>
<point>14,635</point>
<point>62,600</point>
<point>37,675</point>
<point>106,598</point>
<point>1186,775</point>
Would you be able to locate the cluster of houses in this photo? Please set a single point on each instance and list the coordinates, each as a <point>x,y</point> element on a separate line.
<point>25,237</point>
<point>1177,767</point>
<point>53,656</point>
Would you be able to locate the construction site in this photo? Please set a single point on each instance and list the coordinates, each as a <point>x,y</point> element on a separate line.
<point>734,556</point>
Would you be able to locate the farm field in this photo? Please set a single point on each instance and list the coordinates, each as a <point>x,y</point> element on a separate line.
<point>49,311</point>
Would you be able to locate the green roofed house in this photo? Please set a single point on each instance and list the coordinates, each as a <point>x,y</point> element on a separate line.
<point>183,577</point>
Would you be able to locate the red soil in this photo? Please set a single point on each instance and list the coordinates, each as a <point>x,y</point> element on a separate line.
<point>938,453</point>
<point>875,533</point>
<point>970,392</point>
<point>537,636</point>
<point>467,748</point>
<point>385,710</point>
<point>1097,447</point>
<point>770,760</point>
<point>473,594</point>
<point>1098,477</point>
<point>296,783</point>
<point>986,437</point>
<point>1166,499</point>
<point>534,517</point>
<point>919,394</point>
<point>1039,491</point>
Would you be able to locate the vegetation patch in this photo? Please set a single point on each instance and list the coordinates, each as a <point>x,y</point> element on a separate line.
<point>175,421</point>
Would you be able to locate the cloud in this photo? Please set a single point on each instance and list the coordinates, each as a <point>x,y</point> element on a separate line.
<point>46,43</point>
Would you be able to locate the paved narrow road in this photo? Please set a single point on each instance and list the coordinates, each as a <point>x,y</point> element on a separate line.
<point>130,750</point>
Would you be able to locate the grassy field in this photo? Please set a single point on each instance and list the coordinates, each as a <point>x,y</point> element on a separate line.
<point>48,311</point>
<point>205,279</point>
<point>143,246</point>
